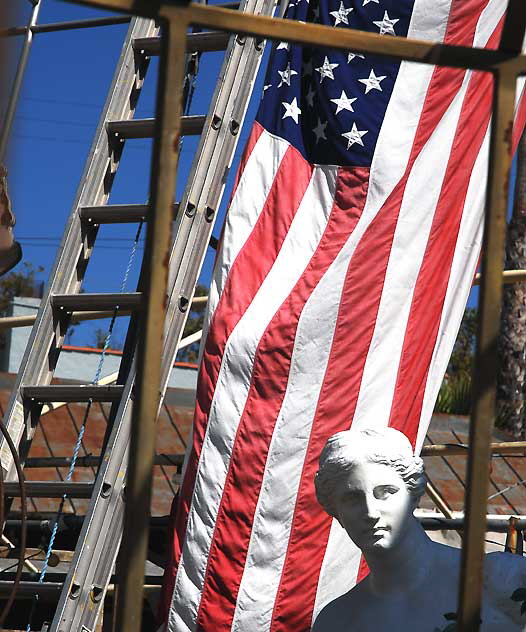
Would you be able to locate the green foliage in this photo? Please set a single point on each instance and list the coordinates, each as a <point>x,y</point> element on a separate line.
<point>520,595</point>
<point>19,282</point>
<point>463,351</point>
<point>451,627</point>
<point>194,324</point>
<point>99,338</point>
<point>454,397</point>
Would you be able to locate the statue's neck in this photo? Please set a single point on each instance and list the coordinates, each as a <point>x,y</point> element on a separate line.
<point>404,567</point>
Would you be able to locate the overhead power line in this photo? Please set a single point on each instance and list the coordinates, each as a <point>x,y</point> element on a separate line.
<point>54,246</point>
<point>33,119</point>
<point>58,238</point>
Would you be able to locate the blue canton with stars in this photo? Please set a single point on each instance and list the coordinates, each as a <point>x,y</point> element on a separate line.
<point>330,104</point>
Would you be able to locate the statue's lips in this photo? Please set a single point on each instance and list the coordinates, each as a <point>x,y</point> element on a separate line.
<point>377,531</point>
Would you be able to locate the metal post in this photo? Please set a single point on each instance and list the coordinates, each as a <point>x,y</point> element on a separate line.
<point>19,77</point>
<point>53,27</point>
<point>483,415</point>
<point>142,448</point>
<point>438,500</point>
<point>453,449</point>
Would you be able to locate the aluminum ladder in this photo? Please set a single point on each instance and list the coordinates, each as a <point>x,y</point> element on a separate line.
<point>83,592</point>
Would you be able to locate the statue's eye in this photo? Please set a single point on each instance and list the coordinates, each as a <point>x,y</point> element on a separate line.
<point>352,496</point>
<point>384,491</point>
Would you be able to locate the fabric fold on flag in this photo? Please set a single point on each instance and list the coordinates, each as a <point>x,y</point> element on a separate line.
<point>345,264</point>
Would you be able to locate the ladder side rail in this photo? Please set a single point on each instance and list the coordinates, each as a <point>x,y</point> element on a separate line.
<point>192,257</point>
<point>48,332</point>
<point>100,536</point>
<point>207,180</point>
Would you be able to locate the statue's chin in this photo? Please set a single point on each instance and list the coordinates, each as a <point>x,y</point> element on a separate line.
<point>379,544</point>
<point>377,541</point>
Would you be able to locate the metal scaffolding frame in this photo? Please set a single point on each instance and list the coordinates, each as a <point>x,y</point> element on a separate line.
<point>19,77</point>
<point>506,64</point>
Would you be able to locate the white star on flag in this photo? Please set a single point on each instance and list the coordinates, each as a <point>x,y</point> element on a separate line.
<point>351,56</point>
<point>373,82</point>
<point>309,97</point>
<point>284,45</point>
<point>292,110</point>
<point>344,103</point>
<point>319,130</point>
<point>354,136</point>
<point>367,2</point>
<point>326,69</point>
<point>386,26</point>
<point>286,75</point>
<point>340,16</point>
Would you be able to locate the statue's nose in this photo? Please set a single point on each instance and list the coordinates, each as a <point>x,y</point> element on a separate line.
<point>371,509</point>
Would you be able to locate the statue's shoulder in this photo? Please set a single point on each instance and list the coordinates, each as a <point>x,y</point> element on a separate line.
<point>327,615</point>
<point>330,615</point>
<point>335,615</point>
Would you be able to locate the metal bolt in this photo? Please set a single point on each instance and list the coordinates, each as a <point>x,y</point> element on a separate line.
<point>96,593</point>
<point>183,303</point>
<point>54,560</point>
<point>216,121</point>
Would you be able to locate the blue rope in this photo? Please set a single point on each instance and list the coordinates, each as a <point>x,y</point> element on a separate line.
<point>82,429</point>
<point>123,289</point>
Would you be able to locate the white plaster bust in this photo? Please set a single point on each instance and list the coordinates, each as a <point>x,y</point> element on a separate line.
<point>371,482</point>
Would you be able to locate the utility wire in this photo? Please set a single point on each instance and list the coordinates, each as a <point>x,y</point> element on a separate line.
<point>33,119</point>
<point>111,248</point>
<point>48,238</point>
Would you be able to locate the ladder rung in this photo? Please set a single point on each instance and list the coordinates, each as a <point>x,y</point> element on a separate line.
<point>195,42</point>
<point>93,461</point>
<point>73,392</point>
<point>46,591</point>
<point>49,489</point>
<point>144,128</point>
<point>96,302</point>
<point>116,213</point>
<point>50,591</point>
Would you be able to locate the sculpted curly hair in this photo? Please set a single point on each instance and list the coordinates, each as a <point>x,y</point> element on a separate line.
<point>386,446</point>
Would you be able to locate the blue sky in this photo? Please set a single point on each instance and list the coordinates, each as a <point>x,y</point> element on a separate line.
<point>65,86</point>
<point>64,90</point>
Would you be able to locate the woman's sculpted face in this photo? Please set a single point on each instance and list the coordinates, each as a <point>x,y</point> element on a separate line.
<point>373,505</point>
<point>371,482</point>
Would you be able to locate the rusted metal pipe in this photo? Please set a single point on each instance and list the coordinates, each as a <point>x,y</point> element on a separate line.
<point>453,449</point>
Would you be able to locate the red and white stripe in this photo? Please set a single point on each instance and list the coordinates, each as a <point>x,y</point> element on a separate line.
<point>336,299</point>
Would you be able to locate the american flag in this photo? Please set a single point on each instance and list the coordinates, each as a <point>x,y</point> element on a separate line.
<point>345,265</point>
